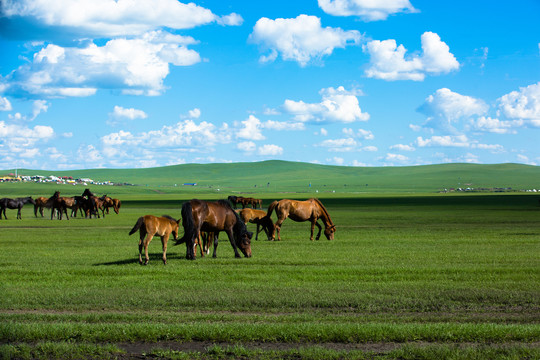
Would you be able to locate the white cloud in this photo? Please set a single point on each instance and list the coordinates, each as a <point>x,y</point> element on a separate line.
<point>444,141</point>
<point>388,60</point>
<point>130,114</point>
<point>402,147</point>
<point>186,135</point>
<point>5,105</point>
<point>337,105</point>
<point>195,113</point>
<point>367,10</point>
<point>135,66</point>
<point>270,149</point>
<point>360,133</point>
<point>396,158</point>
<point>340,145</point>
<point>20,139</point>
<point>496,126</point>
<point>247,146</point>
<point>283,125</point>
<point>523,104</point>
<point>301,39</point>
<point>444,109</point>
<point>251,129</point>
<point>108,18</point>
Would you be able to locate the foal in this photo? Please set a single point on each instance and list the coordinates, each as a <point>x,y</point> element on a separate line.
<point>150,225</point>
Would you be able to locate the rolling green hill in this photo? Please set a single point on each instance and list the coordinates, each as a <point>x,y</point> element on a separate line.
<point>277,176</point>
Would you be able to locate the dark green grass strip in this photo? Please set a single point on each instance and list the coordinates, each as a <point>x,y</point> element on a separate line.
<point>288,333</point>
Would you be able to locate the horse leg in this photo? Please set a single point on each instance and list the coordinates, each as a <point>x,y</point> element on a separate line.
<point>147,240</point>
<point>312,227</point>
<point>19,216</point>
<point>233,243</point>
<point>164,240</point>
<point>257,232</point>
<point>215,245</point>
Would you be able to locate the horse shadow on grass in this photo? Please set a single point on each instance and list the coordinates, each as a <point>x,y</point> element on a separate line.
<point>155,257</point>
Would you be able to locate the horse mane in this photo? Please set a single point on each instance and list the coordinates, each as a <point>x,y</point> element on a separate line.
<point>239,227</point>
<point>169,217</point>
<point>324,209</point>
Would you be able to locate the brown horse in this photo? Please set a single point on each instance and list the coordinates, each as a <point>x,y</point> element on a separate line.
<point>300,211</point>
<point>199,215</point>
<point>149,226</point>
<point>42,202</point>
<point>259,218</point>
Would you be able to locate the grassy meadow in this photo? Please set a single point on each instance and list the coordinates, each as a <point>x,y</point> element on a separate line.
<point>408,276</point>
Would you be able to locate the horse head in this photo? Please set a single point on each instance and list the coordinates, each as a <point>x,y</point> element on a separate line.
<point>329,232</point>
<point>30,200</point>
<point>244,242</point>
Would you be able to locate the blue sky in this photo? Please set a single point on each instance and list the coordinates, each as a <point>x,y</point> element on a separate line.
<point>144,83</point>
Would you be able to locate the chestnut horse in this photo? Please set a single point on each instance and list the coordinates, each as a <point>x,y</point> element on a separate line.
<point>300,211</point>
<point>199,215</point>
<point>149,226</point>
<point>259,218</point>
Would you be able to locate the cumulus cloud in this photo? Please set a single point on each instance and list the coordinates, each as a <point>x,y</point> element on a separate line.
<point>19,141</point>
<point>443,141</point>
<point>488,124</point>
<point>135,66</point>
<point>402,147</point>
<point>445,108</point>
<point>388,61</point>
<point>301,39</point>
<point>340,145</point>
<point>337,105</point>
<point>283,125</point>
<point>367,10</point>
<point>131,114</point>
<point>111,18</point>
<point>183,136</point>
<point>523,104</point>
<point>270,150</point>
<point>360,133</point>
<point>246,146</point>
<point>396,158</point>
<point>250,129</point>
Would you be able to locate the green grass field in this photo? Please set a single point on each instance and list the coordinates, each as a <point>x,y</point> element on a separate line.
<point>407,277</point>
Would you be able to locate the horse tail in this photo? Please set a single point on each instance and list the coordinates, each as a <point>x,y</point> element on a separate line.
<point>188,222</point>
<point>137,226</point>
<point>271,208</point>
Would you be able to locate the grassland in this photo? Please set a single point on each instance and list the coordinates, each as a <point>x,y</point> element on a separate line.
<point>282,176</point>
<point>408,276</point>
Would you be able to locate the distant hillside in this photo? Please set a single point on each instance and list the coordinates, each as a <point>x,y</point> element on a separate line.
<point>294,176</point>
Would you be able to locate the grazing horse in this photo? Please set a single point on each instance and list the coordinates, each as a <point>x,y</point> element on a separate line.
<point>199,215</point>
<point>18,203</point>
<point>300,211</point>
<point>149,226</point>
<point>116,205</point>
<point>259,218</point>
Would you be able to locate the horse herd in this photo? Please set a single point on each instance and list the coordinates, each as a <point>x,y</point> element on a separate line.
<point>88,204</point>
<point>202,220</point>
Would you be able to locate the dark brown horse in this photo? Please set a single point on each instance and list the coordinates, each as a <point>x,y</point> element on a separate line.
<point>58,204</point>
<point>309,210</point>
<point>199,215</point>
<point>18,203</point>
<point>259,218</point>
<point>149,226</point>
